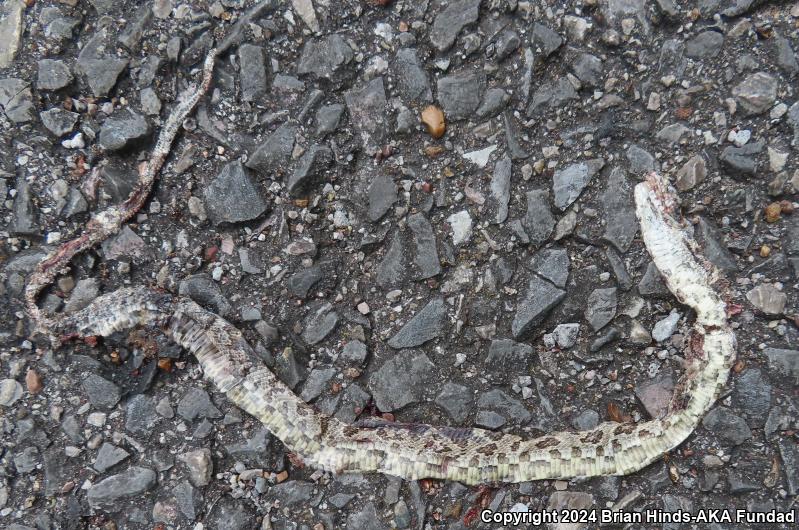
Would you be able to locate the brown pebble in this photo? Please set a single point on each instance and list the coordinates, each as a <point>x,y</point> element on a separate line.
<point>765,250</point>
<point>283,475</point>
<point>773,211</point>
<point>33,381</point>
<point>433,150</point>
<point>433,119</point>
<point>786,207</point>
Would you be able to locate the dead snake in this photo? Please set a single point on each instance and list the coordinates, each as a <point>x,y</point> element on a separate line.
<point>413,451</point>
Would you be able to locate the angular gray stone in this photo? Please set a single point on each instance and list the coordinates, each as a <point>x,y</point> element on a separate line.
<point>11,16</point>
<point>316,383</point>
<point>753,396</point>
<point>783,361</point>
<point>451,20</point>
<point>354,352</point>
<point>382,195</point>
<point>588,69</point>
<point>108,456</point>
<point>503,353</point>
<point>545,40</point>
<point>538,222</point>
<point>231,197</point>
<point>500,188</point>
<point>25,219</point>
<point>319,324</point>
<point>460,94</point>
<point>126,485</point>
<point>426,325</point>
<point>122,129</point>
<point>196,403</point>
<point>506,43</point>
<point>275,151</point>
<point>367,108</point>
<point>570,182</point>
<point>26,460</point>
<point>767,299</point>
<point>617,201</point>
<point>311,166</point>
<point>426,258</point>
<point>641,160</point>
<point>539,299</point>
<point>401,380</point>
<point>366,519</point>
<point>789,455</point>
<point>53,74</point>
<point>501,403</point>
<point>99,64</point>
<point>412,82</point>
<point>705,45</point>
<point>565,335</point>
<point>140,415</point>
<point>786,58</point>
<point>552,264</point>
<point>729,428</point>
<point>303,281</point>
<point>601,307</point>
<point>16,100</point>
<point>741,160</point>
<point>494,101</point>
<point>756,93</point>
<point>325,57</point>
<point>205,291</point>
<point>391,270</point>
<point>553,95</point>
<point>101,392</point>
<point>711,240</point>
<point>456,400</point>
<point>253,72</point>
<point>328,118</point>
<point>652,283</point>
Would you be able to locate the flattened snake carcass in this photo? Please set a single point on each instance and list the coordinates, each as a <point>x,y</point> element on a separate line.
<point>412,451</point>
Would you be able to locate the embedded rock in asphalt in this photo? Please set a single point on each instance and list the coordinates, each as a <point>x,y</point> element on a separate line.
<point>412,81</point>
<point>401,380</point>
<point>451,20</point>
<point>601,307</point>
<point>126,485</point>
<point>123,129</point>
<point>460,94</point>
<point>231,197</point>
<point>728,427</point>
<point>756,93</point>
<point>539,299</point>
<point>552,264</point>
<point>367,107</point>
<point>101,392</point>
<point>456,400</point>
<point>426,325</point>
<point>426,258</point>
<point>617,201</point>
<point>275,150</point>
<point>538,221</point>
<point>382,195</point>
<point>325,57</point>
<point>500,188</point>
<point>100,64</point>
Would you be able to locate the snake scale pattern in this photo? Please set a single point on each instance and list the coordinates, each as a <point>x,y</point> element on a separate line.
<point>414,451</point>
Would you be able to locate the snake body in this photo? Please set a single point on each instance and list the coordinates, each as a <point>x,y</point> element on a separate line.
<point>414,451</point>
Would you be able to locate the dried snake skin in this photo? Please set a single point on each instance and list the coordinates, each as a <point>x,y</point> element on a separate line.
<point>468,455</point>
